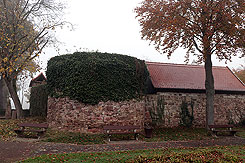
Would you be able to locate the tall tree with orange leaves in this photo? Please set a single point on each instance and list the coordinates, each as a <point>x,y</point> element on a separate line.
<point>203,27</point>
<point>25,29</point>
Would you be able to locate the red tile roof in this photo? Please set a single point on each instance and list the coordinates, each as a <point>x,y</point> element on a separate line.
<point>175,76</point>
<point>39,79</point>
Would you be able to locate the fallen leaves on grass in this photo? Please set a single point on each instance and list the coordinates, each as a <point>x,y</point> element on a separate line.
<point>209,154</point>
<point>7,126</point>
<point>200,156</point>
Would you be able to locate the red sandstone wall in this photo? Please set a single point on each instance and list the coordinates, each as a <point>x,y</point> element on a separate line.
<point>67,114</point>
<point>228,108</point>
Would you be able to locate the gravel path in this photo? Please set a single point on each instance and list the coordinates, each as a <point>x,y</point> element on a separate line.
<point>18,150</point>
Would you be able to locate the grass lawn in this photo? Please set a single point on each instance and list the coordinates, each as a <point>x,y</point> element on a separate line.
<point>179,133</point>
<point>74,138</point>
<point>7,133</point>
<point>241,132</point>
<point>211,154</point>
<point>167,134</point>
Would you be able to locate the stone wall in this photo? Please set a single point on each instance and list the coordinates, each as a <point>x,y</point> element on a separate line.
<point>228,108</point>
<point>71,115</point>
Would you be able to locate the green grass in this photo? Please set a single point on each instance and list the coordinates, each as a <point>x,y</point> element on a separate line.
<point>211,154</point>
<point>74,138</point>
<point>241,132</point>
<point>179,133</point>
<point>7,133</point>
<point>166,134</point>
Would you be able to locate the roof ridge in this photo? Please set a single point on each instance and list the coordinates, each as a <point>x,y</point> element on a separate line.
<point>186,65</point>
<point>41,74</point>
<point>236,76</point>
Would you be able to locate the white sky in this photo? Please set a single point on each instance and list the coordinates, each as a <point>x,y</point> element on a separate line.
<point>110,26</point>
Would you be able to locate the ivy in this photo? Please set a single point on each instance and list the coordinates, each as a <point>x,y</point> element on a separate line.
<point>91,77</point>
<point>186,117</point>
<point>157,112</point>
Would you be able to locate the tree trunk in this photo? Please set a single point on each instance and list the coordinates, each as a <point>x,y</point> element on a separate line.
<point>8,110</point>
<point>209,85</point>
<point>15,98</point>
<point>3,100</point>
<point>4,95</point>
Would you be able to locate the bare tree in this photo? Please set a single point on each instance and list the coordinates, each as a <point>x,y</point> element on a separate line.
<point>26,27</point>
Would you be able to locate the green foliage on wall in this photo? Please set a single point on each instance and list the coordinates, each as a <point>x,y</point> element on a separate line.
<point>186,117</point>
<point>157,112</point>
<point>38,101</point>
<point>91,77</point>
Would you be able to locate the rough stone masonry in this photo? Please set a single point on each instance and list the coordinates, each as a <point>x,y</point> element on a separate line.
<point>71,115</point>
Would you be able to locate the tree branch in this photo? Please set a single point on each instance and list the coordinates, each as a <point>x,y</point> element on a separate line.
<point>196,46</point>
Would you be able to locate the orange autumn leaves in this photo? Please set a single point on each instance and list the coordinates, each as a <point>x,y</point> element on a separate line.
<point>18,45</point>
<point>200,26</point>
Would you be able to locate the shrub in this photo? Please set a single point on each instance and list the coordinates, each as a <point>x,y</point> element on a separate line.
<point>91,77</point>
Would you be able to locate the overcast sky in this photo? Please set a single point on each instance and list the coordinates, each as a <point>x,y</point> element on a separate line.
<point>111,26</point>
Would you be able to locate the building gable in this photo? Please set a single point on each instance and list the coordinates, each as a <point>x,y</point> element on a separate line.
<point>40,79</point>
